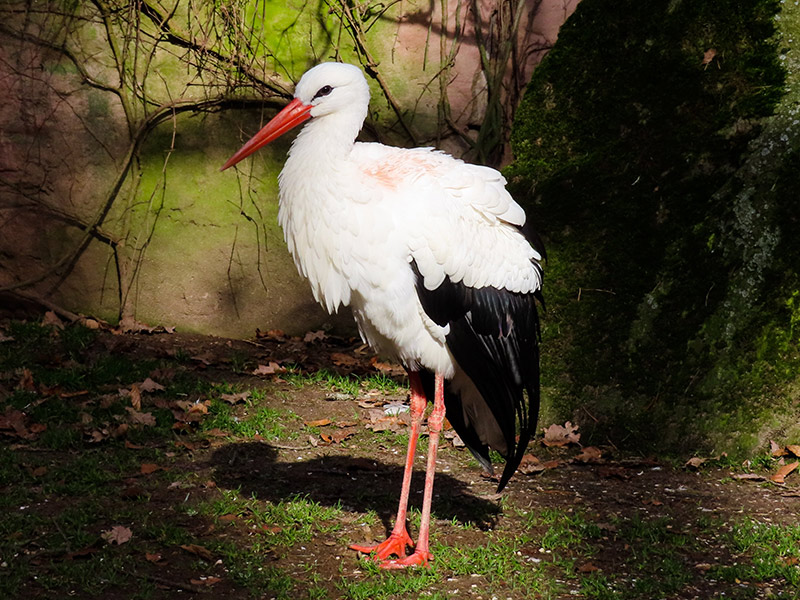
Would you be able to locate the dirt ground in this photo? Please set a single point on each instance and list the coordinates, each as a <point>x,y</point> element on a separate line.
<point>577,524</point>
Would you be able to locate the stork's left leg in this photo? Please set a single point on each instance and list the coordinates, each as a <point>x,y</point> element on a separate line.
<point>422,554</point>
<point>399,539</point>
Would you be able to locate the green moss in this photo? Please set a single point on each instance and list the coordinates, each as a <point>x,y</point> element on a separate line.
<point>650,158</point>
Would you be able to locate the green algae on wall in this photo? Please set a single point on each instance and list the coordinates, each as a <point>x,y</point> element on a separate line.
<point>119,115</point>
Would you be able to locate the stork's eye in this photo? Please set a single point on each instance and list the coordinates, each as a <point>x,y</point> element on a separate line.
<point>323,91</point>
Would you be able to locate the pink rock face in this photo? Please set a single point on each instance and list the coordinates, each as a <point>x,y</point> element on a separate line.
<point>489,24</point>
<point>176,243</point>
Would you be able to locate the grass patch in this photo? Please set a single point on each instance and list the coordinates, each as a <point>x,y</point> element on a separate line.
<point>564,529</point>
<point>655,563</point>
<point>251,421</point>
<point>500,561</point>
<point>289,522</point>
<point>378,584</point>
<point>765,551</point>
<point>351,385</point>
<point>247,567</point>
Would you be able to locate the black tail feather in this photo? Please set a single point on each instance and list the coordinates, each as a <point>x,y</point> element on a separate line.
<point>494,338</point>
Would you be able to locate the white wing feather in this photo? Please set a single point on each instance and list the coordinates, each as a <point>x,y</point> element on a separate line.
<point>459,220</point>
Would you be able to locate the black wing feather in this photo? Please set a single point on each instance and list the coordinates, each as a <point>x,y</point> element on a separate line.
<point>455,414</point>
<point>494,337</point>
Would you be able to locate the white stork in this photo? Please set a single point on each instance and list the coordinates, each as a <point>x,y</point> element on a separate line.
<point>437,263</point>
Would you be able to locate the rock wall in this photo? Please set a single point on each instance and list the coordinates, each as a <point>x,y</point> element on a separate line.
<point>116,122</point>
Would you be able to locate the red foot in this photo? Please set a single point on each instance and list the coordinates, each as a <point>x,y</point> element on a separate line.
<point>395,544</point>
<point>420,558</point>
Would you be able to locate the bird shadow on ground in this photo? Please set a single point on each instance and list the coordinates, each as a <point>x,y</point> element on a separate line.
<point>359,484</point>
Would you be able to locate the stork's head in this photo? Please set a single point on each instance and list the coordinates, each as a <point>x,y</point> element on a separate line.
<point>327,89</point>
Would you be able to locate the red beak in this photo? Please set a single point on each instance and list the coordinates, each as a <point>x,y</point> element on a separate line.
<point>291,116</point>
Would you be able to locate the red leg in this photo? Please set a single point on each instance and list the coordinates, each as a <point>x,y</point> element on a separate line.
<point>422,555</point>
<point>399,539</point>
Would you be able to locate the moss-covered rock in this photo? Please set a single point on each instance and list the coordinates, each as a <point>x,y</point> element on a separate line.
<point>648,151</point>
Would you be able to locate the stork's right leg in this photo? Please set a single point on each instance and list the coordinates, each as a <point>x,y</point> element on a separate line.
<point>399,539</point>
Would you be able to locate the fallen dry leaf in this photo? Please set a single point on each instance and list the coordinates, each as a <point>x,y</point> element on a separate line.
<point>269,369</point>
<point>148,468</point>
<point>131,325</point>
<point>613,472</point>
<point>369,403</point>
<point>337,437</point>
<point>557,435</point>
<point>140,418</point>
<point>26,381</point>
<point>192,408</point>
<point>794,449</point>
<point>588,568</point>
<point>46,391</point>
<point>318,423</point>
<point>653,502</point>
<point>235,398</point>
<point>343,360</point>
<point>590,455</point>
<point>206,581</point>
<point>380,421</point>
<point>780,475</point>
<point>12,422</point>
<point>217,432</point>
<point>454,438</point>
<point>148,385</point>
<point>97,435</point>
<point>273,334</point>
<point>52,319</point>
<point>163,373</point>
<point>200,551</point>
<point>708,56</point>
<point>154,558</point>
<point>188,412</point>
<point>775,449</point>
<point>118,534</point>
<point>387,367</point>
<point>205,359</point>
<point>695,462</point>
<point>312,336</point>
<point>552,464</point>
<point>37,428</point>
<point>90,323</point>
<point>530,464</point>
<point>192,446</point>
<point>136,397</point>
